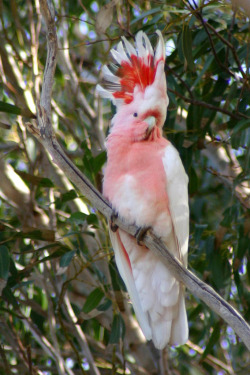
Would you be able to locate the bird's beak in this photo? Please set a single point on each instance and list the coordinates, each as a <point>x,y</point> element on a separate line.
<point>151,121</point>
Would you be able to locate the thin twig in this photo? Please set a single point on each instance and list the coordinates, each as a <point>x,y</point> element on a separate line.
<point>197,13</point>
<point>209,106</point>
<point>210,359</point>
<point>181,80</point>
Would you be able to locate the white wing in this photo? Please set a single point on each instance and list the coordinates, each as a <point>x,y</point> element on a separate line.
<point>124,268</point>
<point>177,190</point>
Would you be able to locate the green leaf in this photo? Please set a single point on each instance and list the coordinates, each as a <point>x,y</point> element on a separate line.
<point>37,319</point>
<point>92,219</point>
<point>193,181</point>
<point>230,215</point>
<point>35,234</point>
<point>146,14</point>
<point>3,125</point>
<point>35,180</point>
<point>66,258</point>
<point>56,254</point>
<point>8,295</point>
<point>243,124</point>
<point>238,284</point>
<point>187,46</point>
<point>214,338</point>
<point>93,300</point>
<point>9,108</point>
<point>180,47</point>
<point>117,330</point>
<point>194,117</point>
<point>68,196</point>
<point>4,262</point>
<point>199,229</point>
<point>105,305</point>
<point>78,217</point>
<point>99,161</point>
<point>116,279</point>
<point>46,182</point>
<point>203,71</point>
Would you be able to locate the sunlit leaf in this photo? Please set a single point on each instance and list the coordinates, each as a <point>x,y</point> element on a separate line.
<point>10,108</point>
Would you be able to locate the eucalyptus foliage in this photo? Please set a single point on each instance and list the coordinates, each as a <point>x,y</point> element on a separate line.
<point>63,307</point>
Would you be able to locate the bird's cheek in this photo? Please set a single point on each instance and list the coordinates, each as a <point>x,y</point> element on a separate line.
<point>139,132</point>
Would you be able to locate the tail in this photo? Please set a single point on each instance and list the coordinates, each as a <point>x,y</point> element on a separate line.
<point>157,297</point>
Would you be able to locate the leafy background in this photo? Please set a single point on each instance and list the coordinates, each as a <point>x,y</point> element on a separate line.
<point>63,307</point>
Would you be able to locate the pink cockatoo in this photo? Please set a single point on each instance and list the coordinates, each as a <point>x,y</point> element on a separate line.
<point>146,184</point>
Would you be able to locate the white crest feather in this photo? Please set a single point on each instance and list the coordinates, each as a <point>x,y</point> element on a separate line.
<point>104,93</point>
<point>148,46</point>
<point>122,52</point>
<point>160,49</point>
<point>130,49</point>
<point>143,50</point>
<point>116,56</point>
<point>139,44</point>
<point>109,76</point>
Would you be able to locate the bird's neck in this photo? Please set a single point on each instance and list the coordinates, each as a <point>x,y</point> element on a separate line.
<point>124,140</point>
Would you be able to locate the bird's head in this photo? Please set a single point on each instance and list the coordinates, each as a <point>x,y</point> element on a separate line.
<point>137,86</point>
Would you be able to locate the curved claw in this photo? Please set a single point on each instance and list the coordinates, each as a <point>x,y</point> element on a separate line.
<point>140,233</point>
<point>113,226</point>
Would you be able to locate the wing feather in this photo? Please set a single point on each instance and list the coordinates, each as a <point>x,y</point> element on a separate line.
<point>177,190</point>
<point>124,268</point>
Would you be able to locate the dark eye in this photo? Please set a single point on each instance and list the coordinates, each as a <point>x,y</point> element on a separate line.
<point>135,114</point>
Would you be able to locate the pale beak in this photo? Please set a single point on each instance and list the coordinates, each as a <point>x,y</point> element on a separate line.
<point>151,121</point>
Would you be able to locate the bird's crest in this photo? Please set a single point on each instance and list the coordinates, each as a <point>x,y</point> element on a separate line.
<point>135,67</point>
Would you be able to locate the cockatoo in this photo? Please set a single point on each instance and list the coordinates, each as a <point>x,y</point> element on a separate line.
<point>146,184</point>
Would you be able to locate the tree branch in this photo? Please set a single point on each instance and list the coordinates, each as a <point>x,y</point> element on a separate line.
<point>44,133</point>
<point>200,103</point>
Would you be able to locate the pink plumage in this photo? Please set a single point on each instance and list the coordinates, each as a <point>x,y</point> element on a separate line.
<point>146,183</point>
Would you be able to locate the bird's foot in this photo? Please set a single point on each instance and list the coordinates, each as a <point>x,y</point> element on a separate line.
<point>140,233</point>
<point>113,226</point>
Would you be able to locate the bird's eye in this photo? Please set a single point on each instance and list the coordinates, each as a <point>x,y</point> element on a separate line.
<point>135,114</point>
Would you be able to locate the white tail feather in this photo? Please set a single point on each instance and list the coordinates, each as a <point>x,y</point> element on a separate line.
<point>179,334</point>
<point>161,333</point>
<point>126,274</point>
<point>157,289</point>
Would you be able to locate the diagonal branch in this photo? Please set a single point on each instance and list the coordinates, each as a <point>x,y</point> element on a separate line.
<point>45,134</point>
